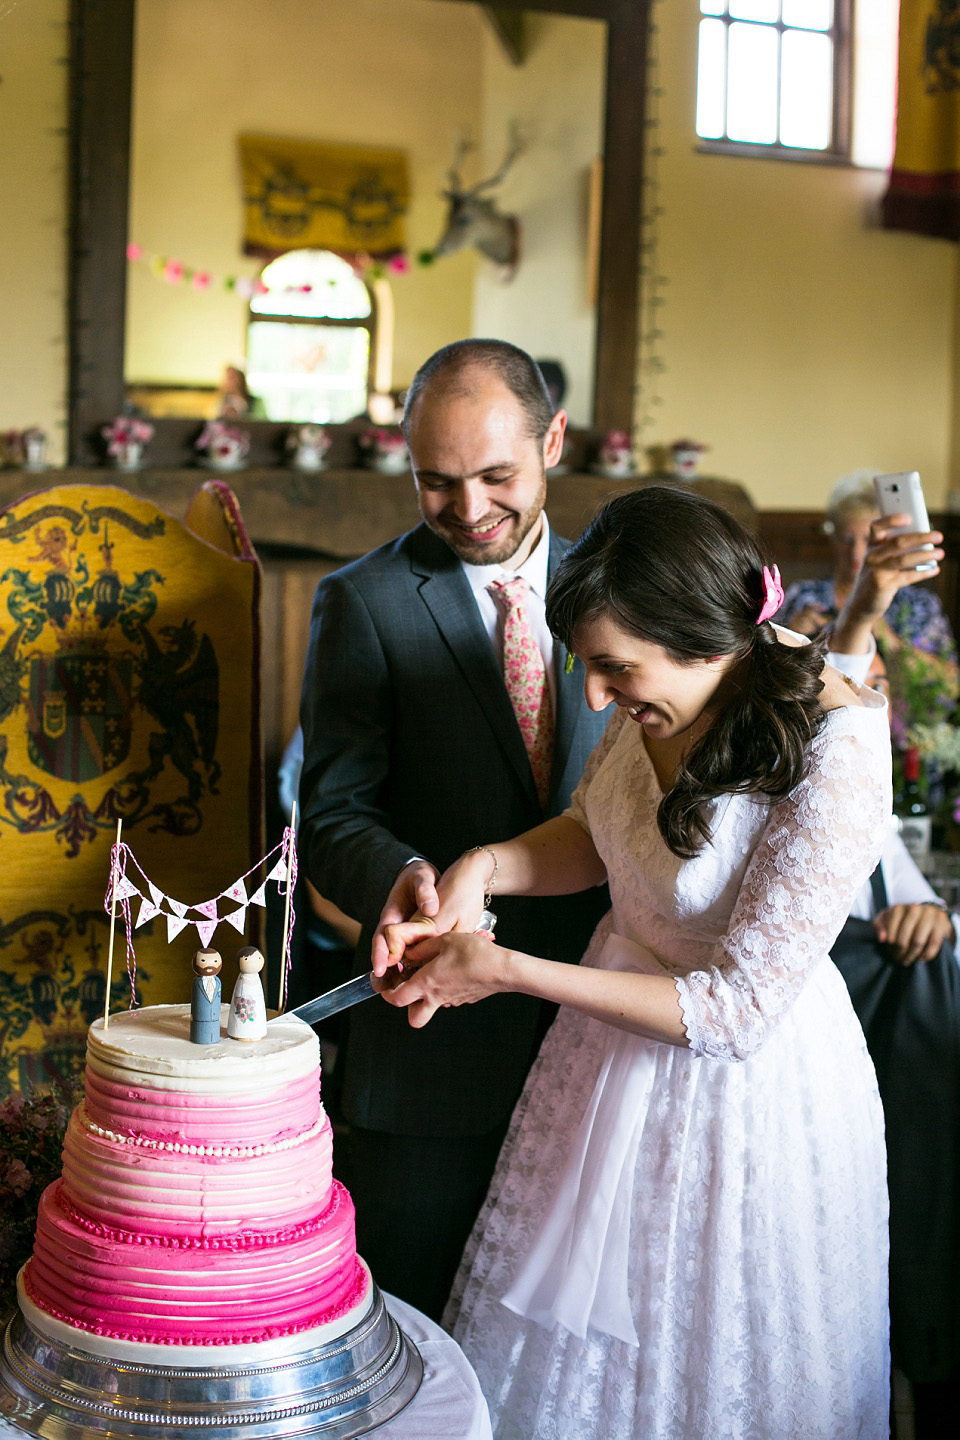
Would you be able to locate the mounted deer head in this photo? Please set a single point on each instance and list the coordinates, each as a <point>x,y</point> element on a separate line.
<point>473,218</point>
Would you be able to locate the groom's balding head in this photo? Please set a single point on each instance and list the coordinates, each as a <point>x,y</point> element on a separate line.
<point>467,367</point>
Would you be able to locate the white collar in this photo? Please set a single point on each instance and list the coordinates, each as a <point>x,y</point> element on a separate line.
<point>533,569</point>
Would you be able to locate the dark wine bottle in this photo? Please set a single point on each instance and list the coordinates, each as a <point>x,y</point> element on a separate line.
<point>911,808</point>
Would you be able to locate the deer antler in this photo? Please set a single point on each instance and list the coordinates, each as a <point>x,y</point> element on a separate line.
<point>463,147</point>
<point>515,147</point>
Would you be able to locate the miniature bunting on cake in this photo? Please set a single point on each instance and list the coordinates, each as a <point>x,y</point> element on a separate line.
<point>160,906</point>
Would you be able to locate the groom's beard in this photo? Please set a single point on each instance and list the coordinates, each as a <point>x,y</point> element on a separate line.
<point>503,544</point>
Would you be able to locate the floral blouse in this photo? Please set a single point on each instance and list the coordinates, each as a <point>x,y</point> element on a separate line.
<point>915,614</point>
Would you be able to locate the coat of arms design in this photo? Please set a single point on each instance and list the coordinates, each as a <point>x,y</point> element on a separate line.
<point>104,714</point>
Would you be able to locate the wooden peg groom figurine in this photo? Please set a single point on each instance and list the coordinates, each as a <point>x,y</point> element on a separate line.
<point>205,998</point>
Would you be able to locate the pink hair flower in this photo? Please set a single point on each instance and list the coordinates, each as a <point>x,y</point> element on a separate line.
<point>772,594</point>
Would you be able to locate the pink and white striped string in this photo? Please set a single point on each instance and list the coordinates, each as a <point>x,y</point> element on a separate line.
<point>118,872</point>
<point>289,849</point>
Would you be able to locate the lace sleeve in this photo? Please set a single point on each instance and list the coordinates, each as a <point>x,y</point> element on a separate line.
<point>818,847</point>
<point>577,807</point>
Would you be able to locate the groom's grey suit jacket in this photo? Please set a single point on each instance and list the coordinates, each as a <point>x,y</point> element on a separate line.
<point>411,747</point>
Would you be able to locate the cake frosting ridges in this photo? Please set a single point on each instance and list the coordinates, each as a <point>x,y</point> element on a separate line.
<point>197,1204</point>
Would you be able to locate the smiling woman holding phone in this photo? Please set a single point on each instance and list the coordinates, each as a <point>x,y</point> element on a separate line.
<point>881,551</point>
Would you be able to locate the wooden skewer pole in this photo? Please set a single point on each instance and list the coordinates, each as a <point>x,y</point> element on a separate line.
<point>113,926</point>
<point>286,912</point>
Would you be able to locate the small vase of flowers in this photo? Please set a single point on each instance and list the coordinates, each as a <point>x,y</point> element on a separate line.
<point>385,450</point>
<point>223,446</point>
<point>308,444</point>
<point>615,457</point>
<point>126,438</point>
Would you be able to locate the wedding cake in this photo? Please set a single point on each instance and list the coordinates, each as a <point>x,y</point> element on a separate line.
<point>197,1229</point>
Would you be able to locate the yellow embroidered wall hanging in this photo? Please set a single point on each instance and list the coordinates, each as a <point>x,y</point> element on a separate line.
<point>347,198</point>
<point>924,193</point>
<point>129,670</point>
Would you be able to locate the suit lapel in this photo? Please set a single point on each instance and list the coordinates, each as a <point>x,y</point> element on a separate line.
<point>446,592</point>
<point>569,687</point>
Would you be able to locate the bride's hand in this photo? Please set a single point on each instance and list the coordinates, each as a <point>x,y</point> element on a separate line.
<point>450,970</point>
<point>460,891</point>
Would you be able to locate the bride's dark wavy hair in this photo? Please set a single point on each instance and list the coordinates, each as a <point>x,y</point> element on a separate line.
<point>674,569</point>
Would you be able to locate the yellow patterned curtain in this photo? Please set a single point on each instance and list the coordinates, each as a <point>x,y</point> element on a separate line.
<point>347,198</point>
<point>924,192</point>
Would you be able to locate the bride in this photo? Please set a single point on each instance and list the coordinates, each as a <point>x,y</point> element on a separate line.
<point>686,1235</point>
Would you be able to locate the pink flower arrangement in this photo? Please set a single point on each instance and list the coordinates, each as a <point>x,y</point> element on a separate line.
<point>387,442</point>
<point>222,443</point>
<point>615,445</point>
<point>126,430</point>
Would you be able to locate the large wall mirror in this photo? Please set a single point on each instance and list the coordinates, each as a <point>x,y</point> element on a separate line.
<point>163,89</point>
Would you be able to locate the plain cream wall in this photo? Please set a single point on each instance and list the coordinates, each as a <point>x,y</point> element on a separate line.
<point>33,204</point>
<point>800,340</point>
<point>352,71</point>
<point>556,98</point>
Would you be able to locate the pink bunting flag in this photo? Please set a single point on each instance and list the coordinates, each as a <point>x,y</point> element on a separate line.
<point>259,896</point>
<point>205,929</point>
<point>148,911</point>
<point>236,892</point>
<point>156,894</point>
<point>125,888</point>
<point>238,919</point>
<point>178,908</point>
<point>174,925</point>
<point>208,908</point>
<point>279,871</point>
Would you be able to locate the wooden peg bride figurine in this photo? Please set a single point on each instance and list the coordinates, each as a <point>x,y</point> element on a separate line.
<point>248,1011</point>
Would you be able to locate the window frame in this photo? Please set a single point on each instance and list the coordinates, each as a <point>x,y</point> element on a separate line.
<point>370,323</point>
<point>840,150</point>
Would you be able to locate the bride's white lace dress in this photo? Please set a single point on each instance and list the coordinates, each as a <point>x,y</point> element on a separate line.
<point>690,1243</point>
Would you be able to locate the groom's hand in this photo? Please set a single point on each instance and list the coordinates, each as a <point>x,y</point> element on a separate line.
<point>414,893</point>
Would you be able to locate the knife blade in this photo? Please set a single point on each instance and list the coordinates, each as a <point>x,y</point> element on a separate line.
<point>340,998</point>
<point>355,991</point>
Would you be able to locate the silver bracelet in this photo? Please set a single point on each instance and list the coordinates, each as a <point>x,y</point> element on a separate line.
<point>493,878</point>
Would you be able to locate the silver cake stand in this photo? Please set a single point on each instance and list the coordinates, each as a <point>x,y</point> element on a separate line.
<point>341,1389</point>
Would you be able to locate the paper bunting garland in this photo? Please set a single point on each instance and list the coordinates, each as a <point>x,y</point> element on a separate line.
<point>205,929</point>
<point>157,905</point>
<point>148,911</point>
<point>174,926</point>
<point>279,872</point>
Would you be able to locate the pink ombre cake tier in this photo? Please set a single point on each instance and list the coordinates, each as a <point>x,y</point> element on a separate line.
<point>197,1205</point>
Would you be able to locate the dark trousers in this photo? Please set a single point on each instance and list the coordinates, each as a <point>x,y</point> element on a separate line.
<point>417,1197</point>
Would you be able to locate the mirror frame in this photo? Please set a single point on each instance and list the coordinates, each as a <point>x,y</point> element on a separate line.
<point>101,87</point>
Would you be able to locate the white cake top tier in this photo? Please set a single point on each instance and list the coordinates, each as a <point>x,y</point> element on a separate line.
<point>152,1046</point>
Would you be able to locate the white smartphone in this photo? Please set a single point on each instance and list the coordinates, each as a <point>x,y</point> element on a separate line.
<point>902,494</point>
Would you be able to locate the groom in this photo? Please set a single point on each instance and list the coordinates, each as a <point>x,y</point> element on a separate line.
<point>417,748</point>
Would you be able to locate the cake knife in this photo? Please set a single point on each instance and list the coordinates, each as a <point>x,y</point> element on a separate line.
<point>361,988</point>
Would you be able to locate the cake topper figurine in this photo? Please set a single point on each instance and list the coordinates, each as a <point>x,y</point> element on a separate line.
<point>205,998</point>
<point>248,1011</point>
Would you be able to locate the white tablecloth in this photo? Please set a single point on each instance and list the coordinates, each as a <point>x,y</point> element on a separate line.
<point>448,1405</point>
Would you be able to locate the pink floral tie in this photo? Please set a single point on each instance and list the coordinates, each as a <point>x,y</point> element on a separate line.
<point>525,676</point>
